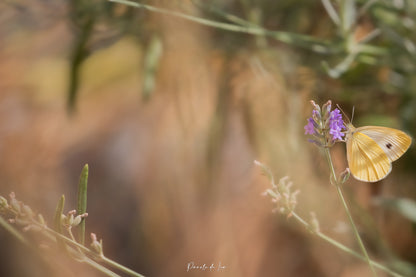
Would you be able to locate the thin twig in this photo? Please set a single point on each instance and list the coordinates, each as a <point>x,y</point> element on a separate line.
<point>316,45</point>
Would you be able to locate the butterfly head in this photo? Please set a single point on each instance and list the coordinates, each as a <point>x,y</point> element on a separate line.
<point>350,130</point>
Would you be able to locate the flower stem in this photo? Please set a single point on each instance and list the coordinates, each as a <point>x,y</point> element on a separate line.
<point>81,248</point>
<point>73,246</point>
<point>121,267</point>
<point>314,229</point>
<point>335,181</point>
<point>308,42</point>
<point>12,230</point>
<point>343,247</point>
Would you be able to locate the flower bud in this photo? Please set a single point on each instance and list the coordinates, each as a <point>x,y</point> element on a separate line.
<point>27,211</point>
<point>41,220</point>
<point>314,223</point>
<point>77,220</point>
<point>326,109</point>
<point>3,202</point>
<point>14,203</point>
<point>70,219</point>
<point>97,246</point>
<point>315,106</point>
<point>345,175</point>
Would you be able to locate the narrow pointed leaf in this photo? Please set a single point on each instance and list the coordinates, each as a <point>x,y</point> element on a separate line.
<point>151,62</point>
<point>405,207</point>
<point>82,202</point>
<point>349,15</point>
<point>57,220</point>
<point>331,12</point>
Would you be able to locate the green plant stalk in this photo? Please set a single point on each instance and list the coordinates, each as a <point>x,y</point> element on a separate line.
<point>100,267</point>
<point>12,231</point>
<point>53,234</point>
<point>153,54</point>
<point>79,54</point>
<point>57,220</point>
<point>121,267</point>
<point>311,43</point>
<point>344,248</point>
<point>58,213</point>
<point>83,258</point>
<point>92,263</point>
<point>79,251</point>
<point>348,16</point>
<point>231,18</point>
<point>82,202</point>
<point>332,13</point>
<point>344,203</point>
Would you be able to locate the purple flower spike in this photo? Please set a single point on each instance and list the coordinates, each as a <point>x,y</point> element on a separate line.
<point>336,124</point>
<point>336,134</point>
<point>309,128</point>
<point>325,126</point>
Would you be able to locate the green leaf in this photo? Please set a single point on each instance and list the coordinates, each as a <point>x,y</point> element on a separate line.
<point>151,62</point>
<point>82,202</point>
<point>79,54</point>
<point>340,68</point>
<point>403,206</point>
<point>331,12</point>
<point>57,220</point>
<point>58,212</point>
<point>349,14</point>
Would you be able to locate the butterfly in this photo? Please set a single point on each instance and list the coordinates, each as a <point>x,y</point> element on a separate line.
<point>372,149</point>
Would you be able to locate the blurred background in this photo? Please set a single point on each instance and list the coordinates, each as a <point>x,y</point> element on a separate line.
<point>170,115</point>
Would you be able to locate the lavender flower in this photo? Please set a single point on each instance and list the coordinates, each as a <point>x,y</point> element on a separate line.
<point>325,125</point>
<point>336,125</point>
<point>310,128</point>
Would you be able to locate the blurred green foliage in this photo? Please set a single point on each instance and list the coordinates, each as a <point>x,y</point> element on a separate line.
<point>362,53</point>
<point>370,44</point>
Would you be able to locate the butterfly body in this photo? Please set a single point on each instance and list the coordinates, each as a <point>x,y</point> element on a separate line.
<point>372,149</point>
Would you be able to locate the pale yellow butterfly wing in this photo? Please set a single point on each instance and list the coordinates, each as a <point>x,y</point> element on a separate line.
<point>393,142</point>
<point>366,159</point>
<point>371,149</point>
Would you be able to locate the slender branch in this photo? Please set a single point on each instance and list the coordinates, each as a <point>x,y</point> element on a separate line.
<point>75,248</point>
<point>226,16</point>
<point>100,267</point>
<point>331,12</point>
<point>311,43</point>
<point>343,247</point>
<point>96,256</point>
<point>12,230</point>
<point>121,267</point>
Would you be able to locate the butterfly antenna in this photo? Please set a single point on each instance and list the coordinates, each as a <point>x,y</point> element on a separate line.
<point>346,116</point>
<point>352,116</point>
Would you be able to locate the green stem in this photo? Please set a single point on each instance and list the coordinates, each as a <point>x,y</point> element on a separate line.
<point>121,267</point>
<point>311,43</point>
<point>347,210</point>
<point>88,251</point>
<point>231,18</point>
<point>345,248</point>
<point>12,230</point>
<point>84,249</point>
<point>331,166</point>
<point>82,202</point>
<point>54,236</point>
<point>100,267</point>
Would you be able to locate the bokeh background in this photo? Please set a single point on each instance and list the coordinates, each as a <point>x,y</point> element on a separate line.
<point>170,115</point>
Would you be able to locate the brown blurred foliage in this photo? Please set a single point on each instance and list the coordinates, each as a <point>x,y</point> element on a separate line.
<point>172,178</point>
